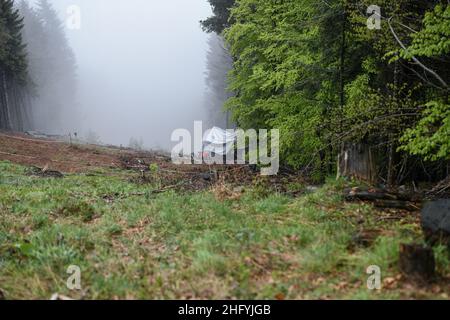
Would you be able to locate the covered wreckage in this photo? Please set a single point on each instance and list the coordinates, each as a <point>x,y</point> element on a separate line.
<point>219,142</point>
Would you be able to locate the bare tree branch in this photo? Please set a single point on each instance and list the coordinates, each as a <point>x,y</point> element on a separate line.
<point>414,58</point>
<point>426,80</point>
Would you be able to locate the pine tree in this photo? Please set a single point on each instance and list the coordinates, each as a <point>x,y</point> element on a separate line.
<point>221,18</point>
<point>13,67</point>
<point>53,67</point>
<point>219,63</point>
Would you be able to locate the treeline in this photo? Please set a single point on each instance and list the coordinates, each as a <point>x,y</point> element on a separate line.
<point>218,63</point>
<point>14,106</point>
<point>315,70</point>
<point>37,67</point>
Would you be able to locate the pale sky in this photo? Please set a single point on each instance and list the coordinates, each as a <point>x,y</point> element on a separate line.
<point>141,67</point>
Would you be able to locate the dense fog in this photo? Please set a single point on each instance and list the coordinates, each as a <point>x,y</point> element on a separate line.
<point>141,70</point>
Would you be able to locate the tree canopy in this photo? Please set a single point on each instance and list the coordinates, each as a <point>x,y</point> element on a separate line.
<point>316,71</point>
<point>220,20</point>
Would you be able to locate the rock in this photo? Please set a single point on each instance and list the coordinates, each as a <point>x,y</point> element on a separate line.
<point>435,219</point>
<point>207,176</point>
<point>417,262</point>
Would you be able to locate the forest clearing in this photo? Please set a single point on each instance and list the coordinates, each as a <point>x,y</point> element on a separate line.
<point>259,150</point>
<point>134,238</point>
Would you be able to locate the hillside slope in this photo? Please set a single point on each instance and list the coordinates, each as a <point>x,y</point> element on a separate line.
<point>139,234</point>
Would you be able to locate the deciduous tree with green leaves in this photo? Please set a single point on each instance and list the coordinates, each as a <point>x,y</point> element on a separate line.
<point>315,70</point>
<point>431,137</point>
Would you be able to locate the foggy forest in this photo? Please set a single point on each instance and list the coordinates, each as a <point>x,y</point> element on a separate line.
<point>224,150</point>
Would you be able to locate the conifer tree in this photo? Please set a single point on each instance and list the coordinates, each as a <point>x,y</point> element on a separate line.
<point>219,63</point>
<point>221,15</point>
<point>13,67</point>
<point>52,66</point>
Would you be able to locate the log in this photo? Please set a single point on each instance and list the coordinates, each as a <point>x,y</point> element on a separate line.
<point>45,173</point>
<point>396,204</point>
<point>363,195</point>
<point>381,198</point>
<point>417,262</point>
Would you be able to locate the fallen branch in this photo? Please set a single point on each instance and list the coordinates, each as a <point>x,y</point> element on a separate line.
<point>157,191</point>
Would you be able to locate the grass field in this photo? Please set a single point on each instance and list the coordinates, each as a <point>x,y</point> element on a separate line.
<point>133,244</point>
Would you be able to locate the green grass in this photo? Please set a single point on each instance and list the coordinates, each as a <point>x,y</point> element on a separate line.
<point>188,245</point>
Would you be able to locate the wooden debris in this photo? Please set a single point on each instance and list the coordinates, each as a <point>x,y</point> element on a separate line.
<point>396,204</point>
<point>45,173</point>
<point>368,195</point>
<point>441,190</point>
<point>382,198</point>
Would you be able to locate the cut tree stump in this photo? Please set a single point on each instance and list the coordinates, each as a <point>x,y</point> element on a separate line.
<point>417,262</point>
<point>357,161</point>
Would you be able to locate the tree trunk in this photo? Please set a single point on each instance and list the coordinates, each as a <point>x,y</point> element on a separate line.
<point>7,114</point>
<point>3,123</point>
<point>390,179</point>
<point>390,173</point>
<point>28,123</point>
<point>18,105</point>
<point>341,69</point>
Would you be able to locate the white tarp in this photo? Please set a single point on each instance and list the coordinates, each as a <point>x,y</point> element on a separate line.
<point>218,141</point>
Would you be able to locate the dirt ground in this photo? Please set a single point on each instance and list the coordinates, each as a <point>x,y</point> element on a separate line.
<point>73,158</point>
<point>25,150</point>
